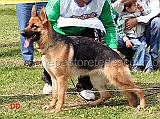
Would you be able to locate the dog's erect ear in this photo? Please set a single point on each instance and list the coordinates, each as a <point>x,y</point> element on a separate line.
<point>34,11</point>
<point>43,16</point>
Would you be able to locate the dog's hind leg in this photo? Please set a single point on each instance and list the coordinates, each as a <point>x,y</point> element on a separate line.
<point>100,83</point>
<point>132,98</point>
<point>133,95</point>
<point>120,76</point>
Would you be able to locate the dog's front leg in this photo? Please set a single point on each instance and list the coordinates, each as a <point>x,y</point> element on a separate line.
<point>54,94</point>
<point>62,88</point>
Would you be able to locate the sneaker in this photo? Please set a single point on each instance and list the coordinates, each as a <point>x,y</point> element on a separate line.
<point>155,65</point>
<point>149,70</point>
<point>136,69</point>
<point>28,63</point>
<point>47,89</point>
<point>87,95</point>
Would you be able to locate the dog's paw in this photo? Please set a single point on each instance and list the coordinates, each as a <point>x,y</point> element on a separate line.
<point>55,110</point>
<point>140,107</point>
<point>90,103</point>
<point>47,107</point>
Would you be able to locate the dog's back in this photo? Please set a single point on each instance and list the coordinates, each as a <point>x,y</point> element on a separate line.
<point>88,54</point>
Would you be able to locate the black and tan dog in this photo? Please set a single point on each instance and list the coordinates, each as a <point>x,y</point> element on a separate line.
<point>64,57</point>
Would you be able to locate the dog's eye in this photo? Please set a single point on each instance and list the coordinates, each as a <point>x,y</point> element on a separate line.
<point>33,25</point>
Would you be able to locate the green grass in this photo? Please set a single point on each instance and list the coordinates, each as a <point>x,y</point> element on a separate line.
<point>23,85</point>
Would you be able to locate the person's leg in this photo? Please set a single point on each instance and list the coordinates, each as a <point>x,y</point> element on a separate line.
<point>23,12</point>
<point>47,89</point>
<point>152,34</point>
<point>47,78</point>
<point>147,62</point>
<point>84,81</point>
<point>84,84</point>
<point>127,52</point>
<point>138,61</point>
<point>139,57</point>
<point>39,5</point>
<point>148,67</point>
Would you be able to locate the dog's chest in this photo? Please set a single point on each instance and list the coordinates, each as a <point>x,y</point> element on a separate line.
<point>48,64</point>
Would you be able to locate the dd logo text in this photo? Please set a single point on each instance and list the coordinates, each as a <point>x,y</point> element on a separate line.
<point>15,106</point>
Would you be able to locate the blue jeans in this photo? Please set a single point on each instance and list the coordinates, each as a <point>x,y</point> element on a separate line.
<point>152,34</point>
<point>142,57</point>
<point>23,12</point>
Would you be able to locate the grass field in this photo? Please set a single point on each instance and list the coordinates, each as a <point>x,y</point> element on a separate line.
<point>23,85</point>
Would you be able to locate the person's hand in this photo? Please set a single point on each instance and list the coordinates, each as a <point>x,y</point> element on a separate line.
<point>140,7</point>
<point>130,23</point>
<point>128,43</point>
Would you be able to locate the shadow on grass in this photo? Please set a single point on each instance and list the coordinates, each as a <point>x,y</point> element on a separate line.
<point>17,66</point>
<point>9,45</point>
<point>20,98</point>
<point>11,49</point>
<point>10,53</point>
<point>9,98</point>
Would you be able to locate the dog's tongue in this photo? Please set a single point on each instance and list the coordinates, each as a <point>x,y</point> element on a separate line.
<point>27,42</point>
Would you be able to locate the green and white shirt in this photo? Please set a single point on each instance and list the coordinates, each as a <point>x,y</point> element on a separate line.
<point>68,18</point>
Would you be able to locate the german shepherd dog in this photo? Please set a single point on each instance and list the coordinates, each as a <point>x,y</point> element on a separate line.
<point>64,57</point>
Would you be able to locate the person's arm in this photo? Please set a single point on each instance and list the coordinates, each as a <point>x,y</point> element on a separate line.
<point>120,29</point>
<point>118,5</point>
<point>53,11</point>
<point>107,19</point>
<point>154,11</point>
<point>121,34</point>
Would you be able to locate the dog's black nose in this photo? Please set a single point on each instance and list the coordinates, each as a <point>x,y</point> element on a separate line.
<point>23,33</point>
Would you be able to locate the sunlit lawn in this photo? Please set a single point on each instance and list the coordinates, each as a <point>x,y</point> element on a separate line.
<point>23,85</point>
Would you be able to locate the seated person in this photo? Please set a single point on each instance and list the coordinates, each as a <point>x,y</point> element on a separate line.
<point>152,30</point>
<point>134,37</point>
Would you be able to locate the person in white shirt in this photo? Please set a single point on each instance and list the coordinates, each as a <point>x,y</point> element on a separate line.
<point>152,30</point>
